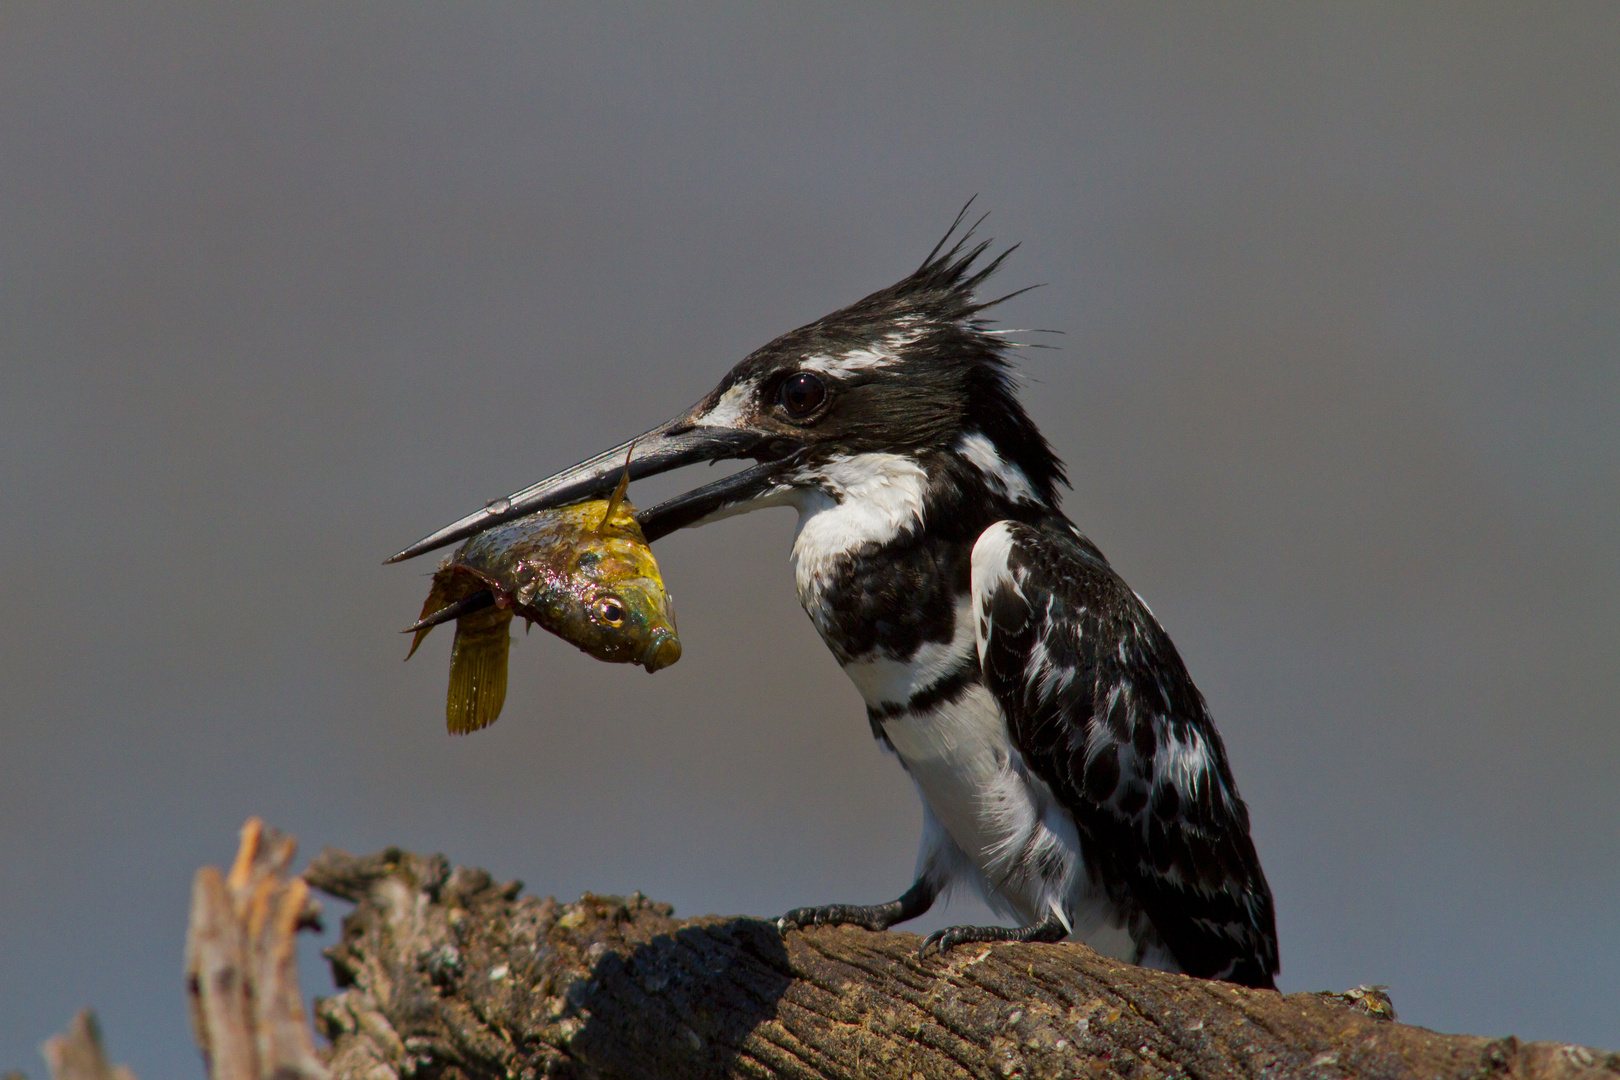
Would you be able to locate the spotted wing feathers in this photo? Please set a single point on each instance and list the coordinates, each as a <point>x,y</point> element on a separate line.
<point>1102,709</point>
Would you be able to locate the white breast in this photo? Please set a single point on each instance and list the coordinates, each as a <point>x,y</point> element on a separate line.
<point>957,753</point>
<point>1006,823</point>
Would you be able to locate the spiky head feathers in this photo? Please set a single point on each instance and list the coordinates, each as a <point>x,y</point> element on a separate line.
<point>909,369</point>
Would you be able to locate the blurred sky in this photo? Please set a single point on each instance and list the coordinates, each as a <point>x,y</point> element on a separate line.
<point>288,286</point>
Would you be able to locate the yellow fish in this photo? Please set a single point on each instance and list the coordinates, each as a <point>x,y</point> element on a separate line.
<point>584,572</point>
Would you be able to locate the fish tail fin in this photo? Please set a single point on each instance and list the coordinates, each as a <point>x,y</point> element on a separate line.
<point>478,672</point>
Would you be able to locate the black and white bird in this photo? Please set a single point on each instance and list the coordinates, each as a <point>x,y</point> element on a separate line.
<point>1068,766</point>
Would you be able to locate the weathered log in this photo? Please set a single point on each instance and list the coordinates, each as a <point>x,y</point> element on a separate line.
<point>247,1011</point>
<point>449,974</point>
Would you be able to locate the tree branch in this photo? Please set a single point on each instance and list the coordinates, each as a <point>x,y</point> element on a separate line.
<point>449,974</point>
<point>247,1011</point>
<point>77,1054</point>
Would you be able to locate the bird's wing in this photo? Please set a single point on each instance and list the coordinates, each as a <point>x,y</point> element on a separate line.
<point>1101,707</point>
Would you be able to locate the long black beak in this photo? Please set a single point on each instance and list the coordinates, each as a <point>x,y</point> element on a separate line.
<point>667,446</point>
<point>689,509</point>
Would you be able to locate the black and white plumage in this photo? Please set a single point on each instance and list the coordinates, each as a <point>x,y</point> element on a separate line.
<point>1068,767</point>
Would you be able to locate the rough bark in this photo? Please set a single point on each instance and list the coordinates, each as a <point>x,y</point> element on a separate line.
<point>450,974</point>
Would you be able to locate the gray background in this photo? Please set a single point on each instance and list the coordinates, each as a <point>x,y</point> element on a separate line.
<point>287,287</point>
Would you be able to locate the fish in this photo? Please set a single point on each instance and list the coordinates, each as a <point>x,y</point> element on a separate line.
<point>584,572</point>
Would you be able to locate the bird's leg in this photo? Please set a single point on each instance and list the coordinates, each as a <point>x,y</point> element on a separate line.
<point>916,900</point>
<point>1050,928</point>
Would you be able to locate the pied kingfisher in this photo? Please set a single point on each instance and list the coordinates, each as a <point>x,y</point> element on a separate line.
<point>1068,767</point>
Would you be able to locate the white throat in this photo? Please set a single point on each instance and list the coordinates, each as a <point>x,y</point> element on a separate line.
<point>864,499</point>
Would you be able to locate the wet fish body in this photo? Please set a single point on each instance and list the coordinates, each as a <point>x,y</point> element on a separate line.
<point>583,572</point>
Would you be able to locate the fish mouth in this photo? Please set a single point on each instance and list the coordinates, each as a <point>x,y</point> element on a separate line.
<point>670,445</point>
<point>664,650</point>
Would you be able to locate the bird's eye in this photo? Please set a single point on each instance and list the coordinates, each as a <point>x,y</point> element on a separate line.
<point>610,610</point>
<point>802,394</point>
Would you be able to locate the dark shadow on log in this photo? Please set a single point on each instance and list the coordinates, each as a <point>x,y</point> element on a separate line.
<point>684,1002</point>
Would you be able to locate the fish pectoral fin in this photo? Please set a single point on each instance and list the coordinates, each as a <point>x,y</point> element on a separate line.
<point>416,642</point>
<point>438,598</point>
<point>453,594</point>
<point>478,660</point>
<point>467,605</point>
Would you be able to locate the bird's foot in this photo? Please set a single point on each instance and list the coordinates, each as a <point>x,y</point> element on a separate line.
<point>942,941</point>
<point>916,900</point>
<point>870,916</point>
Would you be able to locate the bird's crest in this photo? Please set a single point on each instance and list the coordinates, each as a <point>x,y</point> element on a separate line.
<point>950,268</point>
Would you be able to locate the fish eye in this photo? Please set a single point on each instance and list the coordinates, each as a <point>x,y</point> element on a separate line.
<point>802,394</point>
<point>610,610</point>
